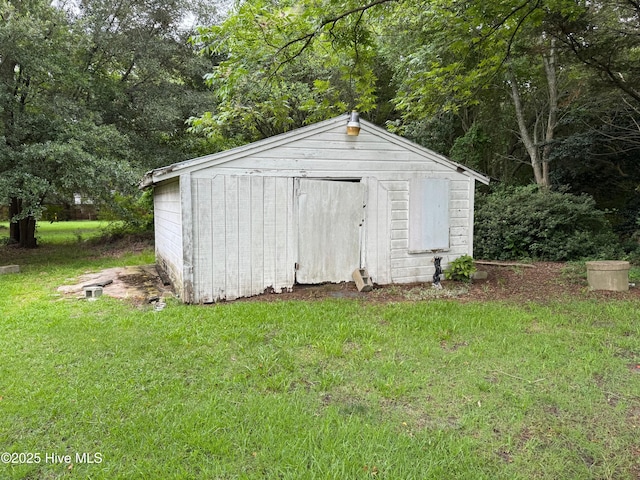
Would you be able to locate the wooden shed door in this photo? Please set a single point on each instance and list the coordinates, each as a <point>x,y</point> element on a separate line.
<point>330,219</point>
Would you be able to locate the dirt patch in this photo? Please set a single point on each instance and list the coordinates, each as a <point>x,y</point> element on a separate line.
<point>139,283</point>
<point>541,283</point>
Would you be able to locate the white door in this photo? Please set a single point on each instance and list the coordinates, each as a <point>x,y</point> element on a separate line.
<point>330,219</point>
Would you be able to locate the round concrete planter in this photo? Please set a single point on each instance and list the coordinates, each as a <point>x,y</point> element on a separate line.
<point>608,275</point>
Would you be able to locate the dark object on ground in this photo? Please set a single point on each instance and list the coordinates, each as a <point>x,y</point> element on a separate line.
<point>102,283</point>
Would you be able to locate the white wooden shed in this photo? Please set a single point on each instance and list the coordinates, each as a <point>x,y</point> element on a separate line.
<point>310,206</point>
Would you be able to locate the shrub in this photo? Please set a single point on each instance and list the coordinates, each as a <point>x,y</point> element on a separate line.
<point>131,217</point>
<point>460,269</point>
<point>525,222</point>
<point>134,212</point>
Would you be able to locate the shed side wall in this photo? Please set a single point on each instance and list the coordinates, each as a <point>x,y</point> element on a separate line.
<point>168,228</point>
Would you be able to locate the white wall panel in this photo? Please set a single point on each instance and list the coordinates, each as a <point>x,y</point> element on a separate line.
<point>243,244</point>
<point>330,215</point>
<point>168,227</point>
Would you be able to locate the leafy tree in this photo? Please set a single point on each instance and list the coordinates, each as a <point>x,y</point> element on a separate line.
<point>50,143</point>
<point>464,54</point>
<point>146,79</point>
<point>90,97</point>
<point>286,64</point>
<point>601,157</point>
<point>606,38</point>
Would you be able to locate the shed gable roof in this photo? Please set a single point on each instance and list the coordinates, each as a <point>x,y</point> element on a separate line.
<point>166,173</point>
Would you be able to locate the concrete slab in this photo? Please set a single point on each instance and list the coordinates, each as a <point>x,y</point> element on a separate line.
<point>9,269</point>
<point>137,282</point>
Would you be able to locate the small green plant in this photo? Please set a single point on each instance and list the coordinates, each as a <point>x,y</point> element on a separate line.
<point>460,269</point>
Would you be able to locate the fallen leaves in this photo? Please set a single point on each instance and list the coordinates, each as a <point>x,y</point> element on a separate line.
<point>373,470</point>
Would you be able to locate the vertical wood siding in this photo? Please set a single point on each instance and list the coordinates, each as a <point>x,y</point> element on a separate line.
<point>387,168</point>
<point>377,225</point>
<point>330,218</point>
<point>187,238</point>
<point>243,236</point>
<point>244,227</point>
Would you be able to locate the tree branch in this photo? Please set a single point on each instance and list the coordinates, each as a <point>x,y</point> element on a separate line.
<point>512,37</point>
<point>307,38</point>
<point>496,26</point>
<point>598,64</point>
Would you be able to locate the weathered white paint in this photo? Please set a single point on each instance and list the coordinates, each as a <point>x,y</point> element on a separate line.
<point>248,227</point>
<point>330,218</point>
<point>470,215</point>
<point>243,236</point>
<point>168,228</point>
<point>187,238</point>
<point>328,136</point>
<point>429,215</point>
<point>377,231</point>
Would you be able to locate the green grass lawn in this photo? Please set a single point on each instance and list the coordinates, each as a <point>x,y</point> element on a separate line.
<point>335,389</point>
<point>62,232</point>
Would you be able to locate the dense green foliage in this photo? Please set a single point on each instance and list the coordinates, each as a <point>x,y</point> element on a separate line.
<point>130,214</point>
<point>517,223</point>
<point>91,96</point>
<point>428,59</point>
<point>526,91</point>
<point>267,85</point>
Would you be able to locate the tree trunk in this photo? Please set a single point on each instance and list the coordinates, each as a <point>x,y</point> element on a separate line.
<point>14,227</point>
<point>550,69</point>
<point>539,157</point>
<point>23,231</point>
<point>539,169</point>
<point>28,232</point>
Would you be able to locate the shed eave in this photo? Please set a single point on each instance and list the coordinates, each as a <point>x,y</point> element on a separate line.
<point>165,173</point>
<point>158,175</point>
<point>427,153</point>
<point>152,178</point>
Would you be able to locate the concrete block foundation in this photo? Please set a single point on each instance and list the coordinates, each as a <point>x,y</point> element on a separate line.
<point>92,292</point>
